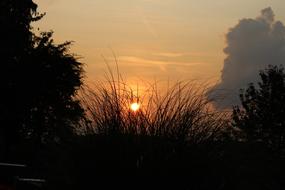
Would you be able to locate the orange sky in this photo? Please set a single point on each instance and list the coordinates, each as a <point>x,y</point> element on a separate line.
<point>152,39</point>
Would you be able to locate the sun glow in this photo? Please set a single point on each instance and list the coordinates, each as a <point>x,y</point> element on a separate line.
<point>135,107</point>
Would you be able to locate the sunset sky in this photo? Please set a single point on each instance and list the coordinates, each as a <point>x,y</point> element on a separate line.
<point>152,39</point>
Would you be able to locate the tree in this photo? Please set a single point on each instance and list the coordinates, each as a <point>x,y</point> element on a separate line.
<point>39,79</point>
<point>263,109</point>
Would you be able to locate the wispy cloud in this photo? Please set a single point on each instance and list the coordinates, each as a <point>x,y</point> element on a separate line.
<point>170,54</point>
<point>145,62</point>
<point>183,54</point>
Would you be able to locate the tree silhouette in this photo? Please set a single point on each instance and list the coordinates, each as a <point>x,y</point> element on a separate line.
<point>38,80</point>
<point>263,109</point>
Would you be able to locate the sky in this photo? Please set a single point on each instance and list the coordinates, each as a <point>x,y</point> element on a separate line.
<point>151,39</point>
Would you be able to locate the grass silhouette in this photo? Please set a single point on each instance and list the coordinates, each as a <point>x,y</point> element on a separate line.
<point>181,113</point>
<point>174,132</point>
<point>175,138</point>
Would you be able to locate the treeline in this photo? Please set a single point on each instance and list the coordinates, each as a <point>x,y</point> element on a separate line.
<point>76,137</point>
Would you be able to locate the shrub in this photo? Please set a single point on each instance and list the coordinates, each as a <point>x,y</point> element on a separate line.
<point>263,109</point>
<point>181,113</point>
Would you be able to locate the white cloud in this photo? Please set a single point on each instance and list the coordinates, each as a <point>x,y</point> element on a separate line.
<point>251,45</point>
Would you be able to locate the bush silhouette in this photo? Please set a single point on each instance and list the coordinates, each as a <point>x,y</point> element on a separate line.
<point>182,113</point>
<point>263,109</point>
<point>174,134</point>
<point>39,79</point>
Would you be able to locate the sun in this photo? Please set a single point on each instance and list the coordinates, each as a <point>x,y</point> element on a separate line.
<point>135,107</point>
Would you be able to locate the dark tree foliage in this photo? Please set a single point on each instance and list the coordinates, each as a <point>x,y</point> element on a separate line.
<point>38,79</point>
<point>262,116</point>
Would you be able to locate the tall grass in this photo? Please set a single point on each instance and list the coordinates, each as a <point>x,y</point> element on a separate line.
<point>180,113</point>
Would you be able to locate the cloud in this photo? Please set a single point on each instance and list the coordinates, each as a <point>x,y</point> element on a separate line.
<point>149,62</point>
<point>251,45</point>
<point>169,54</point>
<point>175,55</point>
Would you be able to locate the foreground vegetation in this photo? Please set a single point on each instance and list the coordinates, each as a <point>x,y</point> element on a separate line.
<point>174,139</point>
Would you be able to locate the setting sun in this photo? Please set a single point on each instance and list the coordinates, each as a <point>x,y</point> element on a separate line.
<point>135,107</point>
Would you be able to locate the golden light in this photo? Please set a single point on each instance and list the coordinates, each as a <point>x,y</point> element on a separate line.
<point>135,107</point>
